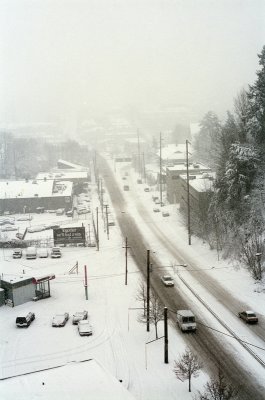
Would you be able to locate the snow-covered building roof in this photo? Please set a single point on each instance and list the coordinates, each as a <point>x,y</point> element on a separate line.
<point>76,380</point>
<point>63,164</point>
<point>33,188</point>
<point>198,167</point>
<point>63,175</point>
<point>202,182</point>
<point>174,152</point>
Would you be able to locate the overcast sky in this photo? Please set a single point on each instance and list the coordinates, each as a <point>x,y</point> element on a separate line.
<point>61,56</point>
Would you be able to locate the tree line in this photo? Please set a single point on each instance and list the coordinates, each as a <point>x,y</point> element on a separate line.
<point>234,149</point>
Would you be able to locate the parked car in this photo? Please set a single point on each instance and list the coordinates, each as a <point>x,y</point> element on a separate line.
<point>165,214</point>
<point>17,253</point>
<point>60,211</point>
<point>111,223</point>
<point>25,218</point>
<point>7,221</point>
<point>139,181</point>
<point>249,317</point>
<point>146,189</point>
<point>78,316</point>
<point>167,280</point>
<point>56,252</point>
<point>23,322</point>
<point>186,321</point>
<point>36,228</point>
<point>83,210</point>
<point>52,226</point>
<point>84,328</point>
<point>126,188</point>
<point>43,253</point>
<point>31,253</point>
<point>156,209</point>
<point>69,213</point>
<point>124,178</point>
<point>9,228</point>
<point>60,319</point>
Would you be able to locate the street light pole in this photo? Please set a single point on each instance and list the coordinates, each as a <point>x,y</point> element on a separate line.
<point>148,293</point>
<point>188,191</point>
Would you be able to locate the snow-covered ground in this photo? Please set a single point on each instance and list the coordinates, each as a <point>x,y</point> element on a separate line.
<point>119,341</point>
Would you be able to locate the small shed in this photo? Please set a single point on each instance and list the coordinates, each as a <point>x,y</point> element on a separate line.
<point>20,289</point>
<point>17,289</point>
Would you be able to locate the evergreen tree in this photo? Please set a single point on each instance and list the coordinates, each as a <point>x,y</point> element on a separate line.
<point>256,95</point>
<point>207,142</point>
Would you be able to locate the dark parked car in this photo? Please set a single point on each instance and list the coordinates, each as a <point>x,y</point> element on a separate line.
<point>17,253</point>
<point>23,322</point>
<point>249,317</point>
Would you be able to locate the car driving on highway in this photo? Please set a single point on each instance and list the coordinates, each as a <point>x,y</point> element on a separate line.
<point>249,317</point>
<point>167,280</point>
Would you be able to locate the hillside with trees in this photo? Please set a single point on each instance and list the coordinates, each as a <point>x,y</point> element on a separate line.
<point>235,151</point>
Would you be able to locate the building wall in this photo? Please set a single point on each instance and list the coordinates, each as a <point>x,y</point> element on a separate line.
<point>23,294</point>
<point>17,205</point>
<point>173,183</point>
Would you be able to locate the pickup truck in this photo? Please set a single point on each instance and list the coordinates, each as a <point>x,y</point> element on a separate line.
<point>249,317</point>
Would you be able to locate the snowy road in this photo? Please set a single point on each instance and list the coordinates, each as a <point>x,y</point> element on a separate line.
<point>161,236</point>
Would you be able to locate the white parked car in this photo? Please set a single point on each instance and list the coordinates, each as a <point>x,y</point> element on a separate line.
<point>56,252</point>
<point>9,228</point>
<point>36,228</point>
<point>43,253</point>
<point>60,319</point>
<point>25,218</point>
<point>165,214</point>
<point>78,316</point>
<point>84,328</point>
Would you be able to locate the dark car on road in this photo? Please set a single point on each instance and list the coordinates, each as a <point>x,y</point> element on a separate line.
<point>249,317</point>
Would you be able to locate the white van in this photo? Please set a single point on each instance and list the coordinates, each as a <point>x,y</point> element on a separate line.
<point>43,253</point>
<point>31,253</point>
<point>186,321</point>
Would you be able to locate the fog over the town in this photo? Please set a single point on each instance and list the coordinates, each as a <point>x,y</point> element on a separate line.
<point>70,58</point>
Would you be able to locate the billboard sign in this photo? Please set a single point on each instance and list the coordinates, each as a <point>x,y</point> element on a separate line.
<point>71,235</point>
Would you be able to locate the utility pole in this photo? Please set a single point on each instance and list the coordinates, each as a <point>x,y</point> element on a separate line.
<point>86,283</point>
<point>148,293</point>
<point>144,173</point>
<point>126,259</point>
<point>139,157</point>
<point>166,335</point>
<point>107,220</point>
<point>160,168</point>
<point>97,232</point>
<point>188,191</point>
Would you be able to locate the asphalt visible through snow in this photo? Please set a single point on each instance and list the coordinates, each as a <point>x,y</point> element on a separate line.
<point>211,350</point>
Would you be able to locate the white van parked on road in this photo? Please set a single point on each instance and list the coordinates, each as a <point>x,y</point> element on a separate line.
<point>31,253</point>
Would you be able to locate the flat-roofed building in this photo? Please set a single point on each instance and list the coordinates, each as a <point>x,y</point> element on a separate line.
<point>27,196</point>
<point>173,174</point>
<point>200,187</point>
